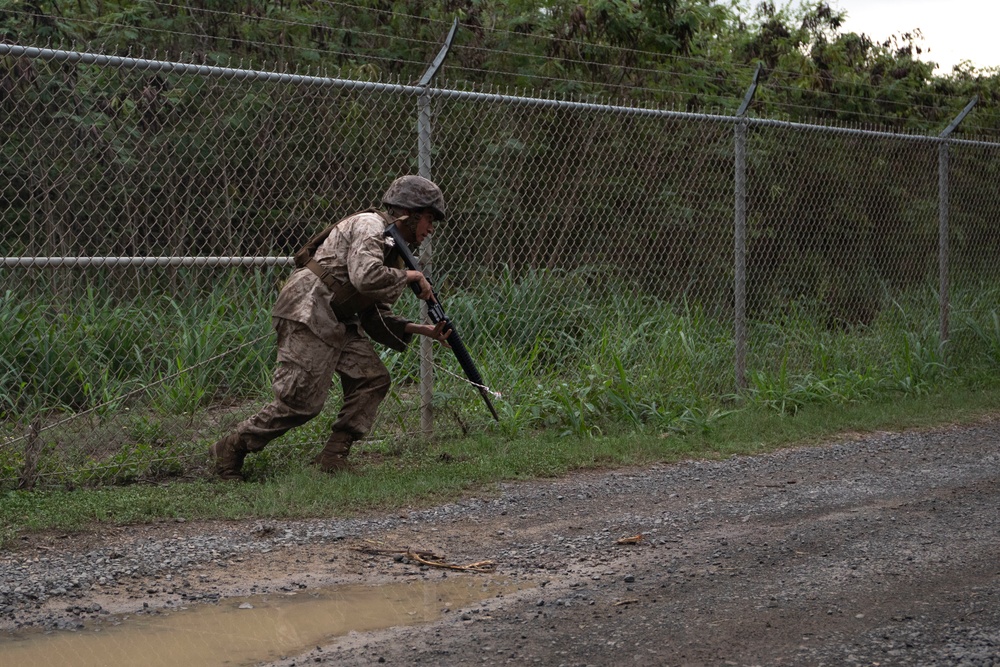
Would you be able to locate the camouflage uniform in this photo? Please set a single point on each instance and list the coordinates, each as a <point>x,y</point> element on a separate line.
<point>314,342</point>
<point>324,317</point>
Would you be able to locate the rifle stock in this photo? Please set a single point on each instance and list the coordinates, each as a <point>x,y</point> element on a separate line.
<point>436,314</point>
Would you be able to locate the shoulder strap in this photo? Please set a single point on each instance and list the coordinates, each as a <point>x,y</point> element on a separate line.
<point>345,300</point>
<point>306,252</point>
<point>382,214</point>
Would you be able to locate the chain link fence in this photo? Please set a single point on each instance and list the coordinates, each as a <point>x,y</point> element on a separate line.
<point>150,210</point>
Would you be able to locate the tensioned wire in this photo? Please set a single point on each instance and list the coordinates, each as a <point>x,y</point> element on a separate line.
<point>190,455</point>
<point>124,397</point>
<point>496,394</point>
<point>134,392</point>
<point>647,54</point>
<point>179,373</point>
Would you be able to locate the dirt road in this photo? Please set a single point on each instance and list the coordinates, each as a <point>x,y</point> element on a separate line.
<point>881,549</point>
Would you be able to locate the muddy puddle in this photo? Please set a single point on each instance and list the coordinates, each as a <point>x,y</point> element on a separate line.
<point>246,631</point>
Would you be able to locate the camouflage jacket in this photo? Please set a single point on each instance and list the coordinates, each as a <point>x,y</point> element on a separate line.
<point>369,277</point>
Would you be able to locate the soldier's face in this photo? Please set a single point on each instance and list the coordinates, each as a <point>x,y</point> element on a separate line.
<point>425,225</point>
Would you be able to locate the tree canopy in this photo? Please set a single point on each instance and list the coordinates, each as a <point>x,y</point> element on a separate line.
<point>690,54</point>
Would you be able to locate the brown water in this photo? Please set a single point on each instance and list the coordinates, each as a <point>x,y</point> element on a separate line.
<point>225,634</point>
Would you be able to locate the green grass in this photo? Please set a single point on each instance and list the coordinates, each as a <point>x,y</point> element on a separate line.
<point>392,477</point>
<point>95,350</point>
<point>129,387</point>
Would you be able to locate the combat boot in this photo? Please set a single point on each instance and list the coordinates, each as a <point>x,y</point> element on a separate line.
<point>333,458</point>
<point>228,455</point>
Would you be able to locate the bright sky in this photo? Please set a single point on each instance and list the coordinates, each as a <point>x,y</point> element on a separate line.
<point>953,30</point>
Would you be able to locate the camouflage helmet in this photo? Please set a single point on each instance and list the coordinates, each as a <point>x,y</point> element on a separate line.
<point>415,192</point>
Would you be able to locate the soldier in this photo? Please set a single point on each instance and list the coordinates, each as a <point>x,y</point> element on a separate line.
<point>349,278</point>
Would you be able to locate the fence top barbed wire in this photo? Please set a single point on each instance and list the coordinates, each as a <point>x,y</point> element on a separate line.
<point>740,71</point>
<point>566,101</point>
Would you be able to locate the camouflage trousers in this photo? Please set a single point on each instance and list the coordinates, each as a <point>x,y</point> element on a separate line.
<point>302,382</point>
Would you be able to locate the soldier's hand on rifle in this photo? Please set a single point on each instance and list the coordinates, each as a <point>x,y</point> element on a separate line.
<point>438,332</point>
<point>426,291</point>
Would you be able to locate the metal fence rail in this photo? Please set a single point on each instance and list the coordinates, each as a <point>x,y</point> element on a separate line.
<point>150,208</point>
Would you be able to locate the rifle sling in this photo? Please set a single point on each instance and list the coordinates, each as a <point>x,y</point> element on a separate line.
<point>346,302</point>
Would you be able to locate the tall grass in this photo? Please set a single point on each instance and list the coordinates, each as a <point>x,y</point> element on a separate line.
<point>571,355</point>
<point>88,351</point>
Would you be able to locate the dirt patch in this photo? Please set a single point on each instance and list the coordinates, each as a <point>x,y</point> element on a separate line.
<point>871,549</point>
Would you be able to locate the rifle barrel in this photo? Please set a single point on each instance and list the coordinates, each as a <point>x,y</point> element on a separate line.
<point>435,312</point>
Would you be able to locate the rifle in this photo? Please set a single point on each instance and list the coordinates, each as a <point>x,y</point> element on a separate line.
<point>436,314</point>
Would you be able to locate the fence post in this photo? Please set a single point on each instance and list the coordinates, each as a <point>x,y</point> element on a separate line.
<point>740,239</point>
<point>424,128</point>
<point>944,303</point>
<point>32,452</point>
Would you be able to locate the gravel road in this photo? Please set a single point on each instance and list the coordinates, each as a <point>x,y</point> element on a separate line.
<point>877,549</point>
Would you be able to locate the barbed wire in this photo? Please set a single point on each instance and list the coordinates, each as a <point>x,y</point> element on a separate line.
<point>705,79</point>
<point>827,112</point>
<point>737,68</point>
<point>124,397</point>
<point>593,63</point>
<point>240,40</point>
<point>840,112</point>
<point>748,68</point>
<point>621,87</point>
<point>972,128</point>
<point>300,24</point>
<point>731,99</point>
<point>870,100</point>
